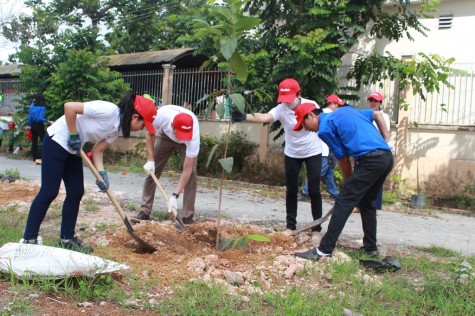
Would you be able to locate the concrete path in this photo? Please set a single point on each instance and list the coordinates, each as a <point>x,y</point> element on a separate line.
<point>446,230</point>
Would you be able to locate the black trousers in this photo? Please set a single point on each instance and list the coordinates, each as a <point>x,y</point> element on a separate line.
<point>360,189</point>
<point>37,131</point>
<point>292,172</point>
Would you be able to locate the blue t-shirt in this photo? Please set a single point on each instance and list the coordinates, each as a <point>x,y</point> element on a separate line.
<point>350,132</point>
<point>36,114</point>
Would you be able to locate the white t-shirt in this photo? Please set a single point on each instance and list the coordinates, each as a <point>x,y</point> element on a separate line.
<point>386,120</point>
<point>164,120</point>
<point>301,144</point>
<point>100,121</point>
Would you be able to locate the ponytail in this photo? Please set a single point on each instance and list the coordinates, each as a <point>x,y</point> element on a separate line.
<point>127,110</point>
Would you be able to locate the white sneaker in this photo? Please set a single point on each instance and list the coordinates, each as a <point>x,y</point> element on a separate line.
<point>37,241</point>
<point>288,232</point>
<point>316,238</point>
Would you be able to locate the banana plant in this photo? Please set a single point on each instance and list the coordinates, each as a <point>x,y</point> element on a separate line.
<point>227,31</point>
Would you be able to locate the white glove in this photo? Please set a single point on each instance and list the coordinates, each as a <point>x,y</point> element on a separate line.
<point>172,204</point>
<point>149,166</point>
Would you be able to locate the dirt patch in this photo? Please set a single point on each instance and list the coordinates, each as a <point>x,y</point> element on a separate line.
<point>16,192</point>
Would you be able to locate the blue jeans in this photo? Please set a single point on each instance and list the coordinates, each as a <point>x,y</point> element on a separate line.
<point>327,178</point>
<point>292,173</point>
<point>58,164</point>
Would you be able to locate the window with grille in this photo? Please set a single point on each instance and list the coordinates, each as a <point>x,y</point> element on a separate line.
<point>445,22</point>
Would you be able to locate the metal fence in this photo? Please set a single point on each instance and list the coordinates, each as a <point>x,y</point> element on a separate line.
<point>190,85</point>
<point>10,90</point>
<point>455,107</point>
<point>145,81</point>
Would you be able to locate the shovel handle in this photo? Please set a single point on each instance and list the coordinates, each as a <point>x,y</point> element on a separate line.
<point>159,186</point>
<point>165,196</point>
<point>96,174</point>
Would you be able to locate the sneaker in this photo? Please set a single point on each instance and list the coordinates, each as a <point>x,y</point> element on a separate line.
<point>188,221</point>
<point>38,161</point>
<point>370,253</point>
<point>312,255</point>
<point>75,245</point>
<point>316,238</point>
<point>288,232</point>
<point>37,241</point>
<point>141,216</point>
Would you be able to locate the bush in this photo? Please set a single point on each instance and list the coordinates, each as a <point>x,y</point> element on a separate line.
<point>239,148</point>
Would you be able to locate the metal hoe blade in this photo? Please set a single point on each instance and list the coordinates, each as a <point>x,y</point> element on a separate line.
<point>147,247</point>
<point>314,223</point>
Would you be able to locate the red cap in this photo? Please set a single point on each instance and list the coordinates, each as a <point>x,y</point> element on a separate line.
<point>333,98</point>
<point>300,112</point>
<point>183,126</point>
<point>288,90</point>
<point>376,96</point>
<point>147,110</point>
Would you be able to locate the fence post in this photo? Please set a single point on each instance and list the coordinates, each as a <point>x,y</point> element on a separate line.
<point>167,84</point>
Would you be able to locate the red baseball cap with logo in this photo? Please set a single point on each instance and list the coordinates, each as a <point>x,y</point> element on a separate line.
<point>333,98</point>
<point>183,126</point>
<point>376,96</point>
<point>147,110</point>
<point>300,112</point>
<point>288,90</point>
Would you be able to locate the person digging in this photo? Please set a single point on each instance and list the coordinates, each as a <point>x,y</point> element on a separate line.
<point>350,132</point>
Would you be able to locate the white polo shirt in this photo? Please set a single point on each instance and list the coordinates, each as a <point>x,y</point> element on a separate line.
<point>100,121</point>
<point>301,144</point>
<point>164,120</point>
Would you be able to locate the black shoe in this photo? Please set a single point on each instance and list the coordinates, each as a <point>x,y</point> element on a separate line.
<point>370,253</point>
<point>75,245</point>
<point>141,216</point>
<point>309,255</point>
<point>188,221</point>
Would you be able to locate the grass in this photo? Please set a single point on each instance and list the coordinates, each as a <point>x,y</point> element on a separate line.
<point>15,173</point>
<point>89,205</point>
<point>12,222</point>
<point>429,283</point>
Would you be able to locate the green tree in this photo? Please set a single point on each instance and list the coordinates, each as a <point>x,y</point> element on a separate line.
<point>306,39</point>
<point>83,77</point>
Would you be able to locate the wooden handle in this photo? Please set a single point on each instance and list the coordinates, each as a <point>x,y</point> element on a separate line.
<point>94,171</point>
<point>165,195</point>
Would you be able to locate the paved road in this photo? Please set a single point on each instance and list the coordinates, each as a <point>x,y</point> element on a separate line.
<point>447,230</point>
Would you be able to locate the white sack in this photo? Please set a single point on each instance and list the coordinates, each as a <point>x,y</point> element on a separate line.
<point>30,261</point>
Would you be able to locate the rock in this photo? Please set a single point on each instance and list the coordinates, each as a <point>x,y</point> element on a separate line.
<point>209,259</point>
<point>234,278</point>
<point>290,271</point>
<point>102,241</point>
<point>197,265</point>
<point>85,304</point>
<point>349,312</point>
